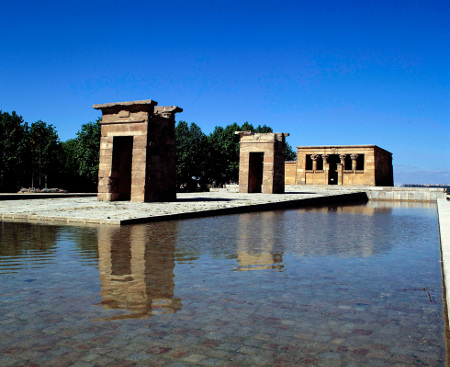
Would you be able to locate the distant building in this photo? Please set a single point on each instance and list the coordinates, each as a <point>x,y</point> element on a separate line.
<point>345,165</point>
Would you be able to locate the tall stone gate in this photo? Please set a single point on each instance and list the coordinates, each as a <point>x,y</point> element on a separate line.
<point>261,162</point>
<point>137,152</point>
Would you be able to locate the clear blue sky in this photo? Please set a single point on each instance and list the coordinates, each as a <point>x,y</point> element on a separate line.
<point>327,72</point>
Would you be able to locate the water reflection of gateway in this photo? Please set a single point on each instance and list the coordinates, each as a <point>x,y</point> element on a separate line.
<point>257,248</point>
<point>136,272</point>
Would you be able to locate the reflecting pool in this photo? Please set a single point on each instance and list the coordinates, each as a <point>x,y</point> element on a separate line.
<point>338,286</point>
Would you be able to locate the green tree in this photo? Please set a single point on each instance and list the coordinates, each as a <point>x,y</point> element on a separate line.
<point>192,157</point>
<point>67,167</point>
<point>87,150</point>
<point>13,151</point>
<point>263,129</point>
<point>224,153</point>
<point>68,161</point>
<point>44,145</point>
<point>289,153</point>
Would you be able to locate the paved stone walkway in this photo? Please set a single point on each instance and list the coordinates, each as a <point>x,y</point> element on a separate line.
<point>88,210</point>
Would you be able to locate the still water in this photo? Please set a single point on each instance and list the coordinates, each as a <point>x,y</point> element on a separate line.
<point>338,286</point>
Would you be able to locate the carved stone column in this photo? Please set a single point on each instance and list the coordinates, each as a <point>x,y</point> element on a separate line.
<point>340,168</point>
<point>314,158</point>
<point>326,168</point>
<point>354,158</point>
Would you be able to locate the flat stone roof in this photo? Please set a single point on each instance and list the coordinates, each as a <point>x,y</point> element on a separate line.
<point>128,103</point>
<point>342,147</point>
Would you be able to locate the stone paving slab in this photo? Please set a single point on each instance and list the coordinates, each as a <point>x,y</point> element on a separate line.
<point>444,230</point>
<point>88,210</point>
<point>42,195</point>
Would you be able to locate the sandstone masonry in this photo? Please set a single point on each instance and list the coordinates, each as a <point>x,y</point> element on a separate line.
<point>343,165</point>
<point>261,162</point>
<point>137,152</point>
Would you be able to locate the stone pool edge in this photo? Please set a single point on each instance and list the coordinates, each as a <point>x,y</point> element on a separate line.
<point>443,210</point>
<point>251,206</point>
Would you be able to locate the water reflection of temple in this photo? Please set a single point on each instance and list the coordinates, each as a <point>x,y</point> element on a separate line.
<point>136,271</point>
<point>352,231</point>
<point>366,209</point>
<point>258,247</point>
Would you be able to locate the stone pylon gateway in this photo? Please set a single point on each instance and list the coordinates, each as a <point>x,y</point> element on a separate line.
<point>137,152</point>
<point>261,162</point>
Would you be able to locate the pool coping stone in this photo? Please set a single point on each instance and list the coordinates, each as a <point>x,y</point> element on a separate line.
<point>443,208</point>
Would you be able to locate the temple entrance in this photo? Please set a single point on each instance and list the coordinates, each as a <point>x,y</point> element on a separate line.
<point>255,172</point>
<point>261,162</point>
<point>121,166</point>
<point>333,161</point>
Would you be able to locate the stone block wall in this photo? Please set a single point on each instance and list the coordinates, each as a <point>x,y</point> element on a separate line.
<point>290,170</point>
<point>261,162</point>
<point>349,165</point>
<point>137,152</point>
<point>384,174</point>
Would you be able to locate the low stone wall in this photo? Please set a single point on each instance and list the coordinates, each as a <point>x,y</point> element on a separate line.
<point>376,193</point>
<point>407,194</point>
<point>421,194</point>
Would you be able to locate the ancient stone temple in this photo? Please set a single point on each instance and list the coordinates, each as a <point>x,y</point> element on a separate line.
<point>346,165</point>
<point>261,162</point>
<point>137,152</point>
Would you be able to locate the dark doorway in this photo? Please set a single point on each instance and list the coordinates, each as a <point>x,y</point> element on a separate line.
<point>360,162</point>
<point>308,163</point>
<point>348,163</point>
<point>333,161</point>
<point>120,257</point>
<point>255,172</point>
<point>121,166</point>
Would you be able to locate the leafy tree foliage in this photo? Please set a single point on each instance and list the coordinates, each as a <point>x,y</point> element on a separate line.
<point>44,145</point>
<point>191,157</point>
<point>33,156</point>
<point>87,149</point>
<point>68,177</point>
<point>289,153</point>
<point>224,154</point>
<point>14,152</point>
<point>67,159</point>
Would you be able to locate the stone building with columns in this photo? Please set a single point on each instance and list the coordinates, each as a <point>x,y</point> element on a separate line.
<point>345,165</point>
